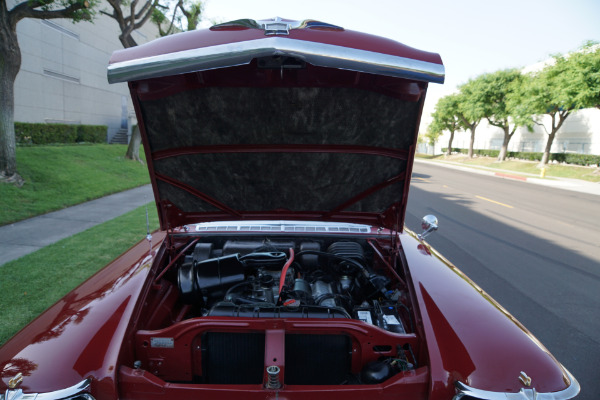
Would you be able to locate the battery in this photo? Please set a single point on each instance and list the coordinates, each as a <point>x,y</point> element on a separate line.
<point>384,316</point>
<point>391,320</point>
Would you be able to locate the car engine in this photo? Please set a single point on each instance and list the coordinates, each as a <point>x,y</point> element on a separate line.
<point>286,279</point>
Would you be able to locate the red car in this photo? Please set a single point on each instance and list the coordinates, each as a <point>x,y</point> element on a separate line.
<point>281,154</point>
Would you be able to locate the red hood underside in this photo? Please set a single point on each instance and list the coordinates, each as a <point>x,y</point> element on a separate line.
<point>311,124</point>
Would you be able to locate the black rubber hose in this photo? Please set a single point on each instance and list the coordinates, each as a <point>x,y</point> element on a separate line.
<point>330,255</point>
<point>237,285</point>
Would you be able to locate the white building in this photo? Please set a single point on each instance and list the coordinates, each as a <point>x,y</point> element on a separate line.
<point>580,133</point>
<point>63,72</point>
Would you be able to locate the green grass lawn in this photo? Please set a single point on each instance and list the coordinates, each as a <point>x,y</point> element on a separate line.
<point>34,282</point>
<point>60,176</point>
<point>590,174</point>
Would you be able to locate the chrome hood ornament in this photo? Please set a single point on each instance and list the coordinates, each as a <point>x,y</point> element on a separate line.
<point>525,380</point>
<point>13,392</point>
<point>16,381</point>
<point>276,26</point>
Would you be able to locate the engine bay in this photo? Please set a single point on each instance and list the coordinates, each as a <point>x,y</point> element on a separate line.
<point>270,279</point>
<point>308,310</point>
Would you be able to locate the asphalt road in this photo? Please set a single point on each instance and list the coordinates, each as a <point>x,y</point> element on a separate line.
<point>534,249</point>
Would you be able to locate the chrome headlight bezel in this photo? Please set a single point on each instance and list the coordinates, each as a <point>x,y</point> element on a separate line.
<point>75,392</point>
<point>465,391</point>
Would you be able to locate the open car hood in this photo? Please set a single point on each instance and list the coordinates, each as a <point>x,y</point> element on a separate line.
<point>277,120</point>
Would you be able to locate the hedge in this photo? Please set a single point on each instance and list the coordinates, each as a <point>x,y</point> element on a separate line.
<point>91,133</point>
<point>34,133</point>
<point>569,158</point>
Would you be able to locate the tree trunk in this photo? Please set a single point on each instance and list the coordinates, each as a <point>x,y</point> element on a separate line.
<point>472,142</point>
<point>449,149</point>
<point>8,161</point>
<point>133,150</point>
<point>10,63</point>
<point>126,40</point>
<point>504,148</point>
<point>562,116</point>
<point>546,155</point>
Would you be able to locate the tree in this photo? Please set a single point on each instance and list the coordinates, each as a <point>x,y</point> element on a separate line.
<point>128,21</point>
<point>445,118</point>
<point>470,110</point>
<point>562,87</point>
<point>585,74</point>
<point>129,18</point>
<point>502,97</point>
<point>134,19</point>
<point>183,9</point>
<point>10,64</point>
<point>432,136</point>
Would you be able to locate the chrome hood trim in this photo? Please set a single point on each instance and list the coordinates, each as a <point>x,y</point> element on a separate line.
<point>464,391</point>
<point>270,25</point>
<point>282,226</point>
<point>240,53</point>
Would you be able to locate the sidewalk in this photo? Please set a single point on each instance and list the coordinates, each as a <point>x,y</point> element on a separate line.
<point>27,236</point>
<point>576,185</point>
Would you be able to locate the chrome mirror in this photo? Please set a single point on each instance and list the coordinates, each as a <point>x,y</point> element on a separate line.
<point>429,223</point>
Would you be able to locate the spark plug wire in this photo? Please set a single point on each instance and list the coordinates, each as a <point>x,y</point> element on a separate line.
<point>285,269</point>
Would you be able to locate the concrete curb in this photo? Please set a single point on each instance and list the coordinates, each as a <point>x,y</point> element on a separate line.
<point>517,177</point>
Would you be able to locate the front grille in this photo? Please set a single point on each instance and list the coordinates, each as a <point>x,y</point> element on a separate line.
<point>317,359</point>
<point>233,358</point>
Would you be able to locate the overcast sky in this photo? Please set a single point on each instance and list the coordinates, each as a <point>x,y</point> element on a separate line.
<point>472,36</point>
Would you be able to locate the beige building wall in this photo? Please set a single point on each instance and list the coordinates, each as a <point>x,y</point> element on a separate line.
<point>63,72</point>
